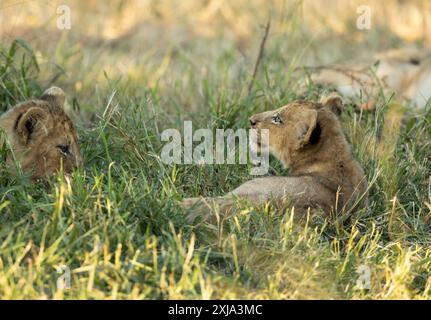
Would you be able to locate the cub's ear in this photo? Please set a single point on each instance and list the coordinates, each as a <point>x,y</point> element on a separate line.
<point>306,126</point>
<point>30,123</point>
<point>334,102</point>
<point>54,96</point>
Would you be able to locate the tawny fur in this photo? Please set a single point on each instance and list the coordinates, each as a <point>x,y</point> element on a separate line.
<point>41,136</point>
<point>405,72</point>
<point>324,174</point>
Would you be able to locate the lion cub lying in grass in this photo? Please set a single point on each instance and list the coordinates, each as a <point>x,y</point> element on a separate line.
<point>405,71</point>
<point>307,137</point>
<point>41,136</point>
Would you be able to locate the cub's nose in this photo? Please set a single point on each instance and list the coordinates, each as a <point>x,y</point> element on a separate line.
<point>252,122</point>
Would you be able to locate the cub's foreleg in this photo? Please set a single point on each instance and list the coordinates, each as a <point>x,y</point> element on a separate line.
<point>302,192</point>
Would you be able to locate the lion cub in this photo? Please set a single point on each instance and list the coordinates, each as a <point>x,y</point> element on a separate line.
<point>41,136</point>
<point>307,137</point>
<point>405,71</point>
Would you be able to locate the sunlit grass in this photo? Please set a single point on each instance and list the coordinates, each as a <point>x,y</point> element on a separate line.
<point>117,225</point>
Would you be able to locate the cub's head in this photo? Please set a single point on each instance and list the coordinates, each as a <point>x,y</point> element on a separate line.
<point>296,128</point>
<point>41,135</point>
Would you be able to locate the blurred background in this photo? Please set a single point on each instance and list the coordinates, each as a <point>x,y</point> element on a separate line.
<point>174,44</point>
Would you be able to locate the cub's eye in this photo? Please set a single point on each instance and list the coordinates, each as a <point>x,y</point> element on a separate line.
<point>64,149</point>
<point>276,119</point>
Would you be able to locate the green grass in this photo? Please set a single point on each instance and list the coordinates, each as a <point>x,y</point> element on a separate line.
<point>117,224</point>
